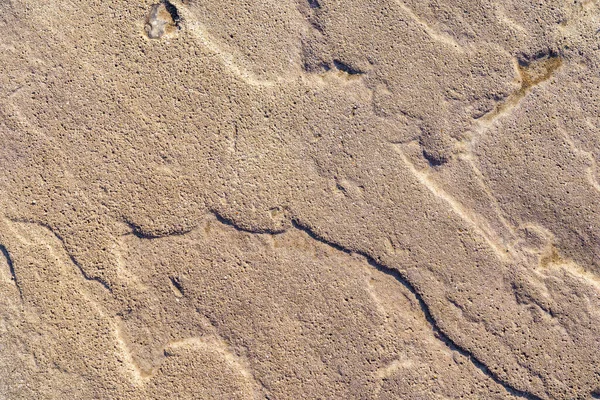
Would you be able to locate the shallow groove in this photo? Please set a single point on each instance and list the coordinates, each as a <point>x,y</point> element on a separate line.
<point>176,282</point>
<point>434,160</point>
<point>314,4</point>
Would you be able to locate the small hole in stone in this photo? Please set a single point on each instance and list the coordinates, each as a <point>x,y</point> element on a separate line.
<point>434,160</point>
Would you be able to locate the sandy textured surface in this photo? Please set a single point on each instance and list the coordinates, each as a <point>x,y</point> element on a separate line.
<point>322,199</point>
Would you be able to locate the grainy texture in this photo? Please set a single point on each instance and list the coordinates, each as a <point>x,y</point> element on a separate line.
<point>299,199</point>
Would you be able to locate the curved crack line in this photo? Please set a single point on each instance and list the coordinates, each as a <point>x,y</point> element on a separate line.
<point>87,277</point>
<point>229,222</point>
<point>141,233</point>
<point>438,332</point>
<point>234,63</point>
<point>400,278</point>
<point>389,271</point>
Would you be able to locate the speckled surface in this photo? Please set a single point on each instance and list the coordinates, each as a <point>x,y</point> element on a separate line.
<point>299,199</point>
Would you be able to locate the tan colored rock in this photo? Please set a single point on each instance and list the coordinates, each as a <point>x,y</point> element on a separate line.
<point>302,199</point>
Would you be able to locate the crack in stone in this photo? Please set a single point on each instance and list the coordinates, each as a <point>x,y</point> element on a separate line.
<point>172,10</point>
<point>389,271</point>
<point>87,277</point>
<point>11,268</point>
<point>397,275</point>
<point>229,222</point>
<point>438,332</point>
<point>350,70</point>
<point>141,233</point>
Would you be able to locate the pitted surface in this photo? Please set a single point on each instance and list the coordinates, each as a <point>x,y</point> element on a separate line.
<point>301,199</point>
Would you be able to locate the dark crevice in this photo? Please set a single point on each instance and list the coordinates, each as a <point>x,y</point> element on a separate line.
<point>397,275</point>
<point>314,4</point>
<point>11,267</point>
<point>439,333</point>
<point>346,68</point>
<point>175,281</point>
<point>317,25</point>
<point>141,233</point>
<point>433,160</point>
<point>228,222</point>
<point>525,60</point>
<point>101,281</point>
<point>172,10</point>
<point>595,394</point>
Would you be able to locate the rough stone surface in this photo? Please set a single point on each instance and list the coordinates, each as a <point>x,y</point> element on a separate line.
<point>390,199</point>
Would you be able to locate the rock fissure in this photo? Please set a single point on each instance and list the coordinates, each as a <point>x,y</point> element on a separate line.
<point>87,277</point>
<point>439,333</point>
<point>397,275</point>
<point>11,268</point>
